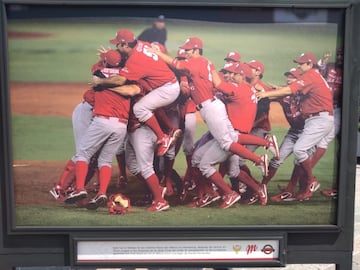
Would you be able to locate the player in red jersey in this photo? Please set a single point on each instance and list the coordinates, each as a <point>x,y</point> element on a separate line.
<point>317,110</point>
<point>237,96</point>
<point>211,109</point>
<point>140,149</point>
<point>333,74</point>
<point>106,133</point>
<point>81,118</point>
<point>161,82</point>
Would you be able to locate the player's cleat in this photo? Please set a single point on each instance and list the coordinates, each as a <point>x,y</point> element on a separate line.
<point>176,134</point>
<point>164,144</point>
<point>330,193</point>
<point>315,185</point>
<point>309,191</point>
<point>98,201</point>
<point>57,192</point>
<point>253,199</point>
<point>159,206</point>
<point>208,199</point>
<point>273,146</point>
<point>263,165</point>
<point>284,196</point>
<point>230,199</point>
<point>262,192</point>
<point>162,191</point>
<point>76,196</point>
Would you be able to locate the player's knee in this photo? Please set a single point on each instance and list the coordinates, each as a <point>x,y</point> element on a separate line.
<point>206,169</point>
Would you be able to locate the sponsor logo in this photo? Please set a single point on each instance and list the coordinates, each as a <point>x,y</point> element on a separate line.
<point>268,249</point>
<point>237,248</point>
<point>251,249</point>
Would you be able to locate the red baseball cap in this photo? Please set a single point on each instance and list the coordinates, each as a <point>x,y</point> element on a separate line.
<point>112,57</point>
<point>293,71</point>
<point>123,36</point>
<point>306,58</point>
<point>233,56</point>
<point>245,70</point>
<point>192,43</point>
<point>231,67</point>
<point>257,65</point>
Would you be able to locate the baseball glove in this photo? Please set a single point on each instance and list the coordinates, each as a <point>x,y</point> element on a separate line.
<point>118,204</point>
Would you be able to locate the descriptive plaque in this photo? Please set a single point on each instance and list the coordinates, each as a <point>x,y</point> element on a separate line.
<point>173,251</point>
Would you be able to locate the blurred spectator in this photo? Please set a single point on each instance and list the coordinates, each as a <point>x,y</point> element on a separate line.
<point>156,33</point>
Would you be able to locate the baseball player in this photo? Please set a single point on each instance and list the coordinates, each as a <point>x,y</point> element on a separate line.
<point>261,127</point>
<point>146,65</point>
<point>140,148</point>
<point>232,57</point>
<point>81,118</point>
<point>317,109</point>
<point>211,109</point>
<point>333,74</point>
<point>291,108</point>
<point>106,133</point>
<point>238,96</point>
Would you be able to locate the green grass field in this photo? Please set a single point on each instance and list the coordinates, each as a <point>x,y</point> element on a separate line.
<point>69,51</point>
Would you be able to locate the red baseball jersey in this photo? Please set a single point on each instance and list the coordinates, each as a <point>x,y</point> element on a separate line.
<point>334,77</point>
<point>241,103</point>
<point>200,74</point>
<point>109,103</point>
<point>143,64</point>
<point>89,96</point>
<point>314,91</point>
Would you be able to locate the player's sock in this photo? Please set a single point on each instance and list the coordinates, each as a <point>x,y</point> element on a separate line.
<point>189,169</point>
<point>252,140</point>
<point>154,186</point>
<point>295,177</point>
<point>306,165</point>
<point>120,158</point>
<point>81,169</point>
<point>105,177</point>
<point>271,173</point>
<point>164,119</point>
<point>154,125</point>
<point>246,169</point>
<point>243,152</point>
<point>248,180</point>
<point>317,156</point>
<point>220,183</point>
<point>68,175</point>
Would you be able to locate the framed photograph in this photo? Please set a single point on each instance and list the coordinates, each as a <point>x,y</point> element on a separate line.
<point>122,148</point>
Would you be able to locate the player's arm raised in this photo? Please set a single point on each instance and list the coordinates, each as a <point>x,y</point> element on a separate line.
<point>165,57</point>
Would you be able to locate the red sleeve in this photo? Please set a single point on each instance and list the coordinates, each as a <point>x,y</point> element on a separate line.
<point>227,88</point>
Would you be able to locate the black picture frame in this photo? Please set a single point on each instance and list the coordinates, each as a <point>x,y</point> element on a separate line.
<point>31,246</point>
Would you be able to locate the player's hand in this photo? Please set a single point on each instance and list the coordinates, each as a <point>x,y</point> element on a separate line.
<point>102,49</point>
<point>260,95</point>
<point>95,81</point>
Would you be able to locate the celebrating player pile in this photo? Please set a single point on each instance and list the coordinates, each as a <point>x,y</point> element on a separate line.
<point>142,108</point>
